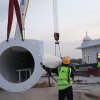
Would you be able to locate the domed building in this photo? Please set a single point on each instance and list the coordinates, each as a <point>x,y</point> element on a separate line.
<point>86,38</point>
<point>90,50</point>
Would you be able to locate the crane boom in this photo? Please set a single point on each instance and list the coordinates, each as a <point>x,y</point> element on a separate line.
<point>55,15</point>
<point>56,28</point>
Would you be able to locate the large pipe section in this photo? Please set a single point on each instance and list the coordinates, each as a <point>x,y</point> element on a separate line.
<point>20,67</point>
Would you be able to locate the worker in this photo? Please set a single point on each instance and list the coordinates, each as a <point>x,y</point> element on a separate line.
<point>64,80</point>
<point>73,68</point>
<point>98,63</point>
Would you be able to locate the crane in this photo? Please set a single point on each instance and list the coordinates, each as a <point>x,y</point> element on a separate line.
<point>21,14</point>
<point>56,29</point>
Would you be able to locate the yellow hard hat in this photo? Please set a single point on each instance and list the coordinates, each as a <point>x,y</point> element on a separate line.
<point>66,60</point>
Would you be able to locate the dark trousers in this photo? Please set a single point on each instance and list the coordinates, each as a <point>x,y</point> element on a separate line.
<point>66,93</point>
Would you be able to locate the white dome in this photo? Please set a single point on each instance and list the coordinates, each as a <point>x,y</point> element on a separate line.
<point>86,38</point>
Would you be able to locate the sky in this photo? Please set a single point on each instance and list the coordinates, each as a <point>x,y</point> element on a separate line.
<point>75,17</point>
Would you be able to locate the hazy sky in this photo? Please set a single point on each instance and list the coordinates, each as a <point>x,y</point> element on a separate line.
<point>75,17</point>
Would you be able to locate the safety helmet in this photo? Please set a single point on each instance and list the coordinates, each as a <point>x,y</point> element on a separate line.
<point>66,60</point>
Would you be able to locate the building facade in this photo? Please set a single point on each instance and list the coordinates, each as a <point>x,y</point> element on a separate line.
<point>90,50</point>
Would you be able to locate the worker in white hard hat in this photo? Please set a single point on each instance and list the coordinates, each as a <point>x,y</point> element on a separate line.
<point>64,80</point>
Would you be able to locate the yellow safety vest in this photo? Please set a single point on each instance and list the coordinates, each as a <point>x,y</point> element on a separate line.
<point>98,66</point>
<point>64,79</point>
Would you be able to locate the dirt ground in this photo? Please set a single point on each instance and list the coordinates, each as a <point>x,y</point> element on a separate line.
<point>81,92</point>
<point>40,94</point>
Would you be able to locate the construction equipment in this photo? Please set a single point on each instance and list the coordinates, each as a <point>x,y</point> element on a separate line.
<point>20,67</point>
<point>56,29</point>
<point>57,46</point>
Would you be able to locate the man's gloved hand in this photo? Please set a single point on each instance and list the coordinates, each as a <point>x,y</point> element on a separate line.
<point>43,66</point>
<point>46,69</point>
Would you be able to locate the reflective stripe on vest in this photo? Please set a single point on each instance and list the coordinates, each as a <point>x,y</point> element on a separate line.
<point>98,65</point>
<point>74,67</point>
<point>64,85</point>
<point>63,77</point>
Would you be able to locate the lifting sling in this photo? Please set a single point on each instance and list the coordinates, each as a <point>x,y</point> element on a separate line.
<point>12,4</point>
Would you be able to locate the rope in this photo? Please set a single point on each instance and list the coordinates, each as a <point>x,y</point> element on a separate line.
<point>55,49</point>
<point>53,78</point>
<point>58,49</point>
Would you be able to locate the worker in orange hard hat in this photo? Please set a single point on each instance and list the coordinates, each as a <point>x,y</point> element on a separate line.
<point>64,80</point>
<point>66,60</point>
